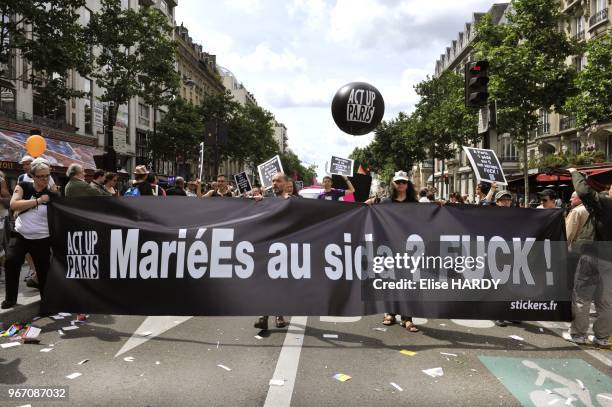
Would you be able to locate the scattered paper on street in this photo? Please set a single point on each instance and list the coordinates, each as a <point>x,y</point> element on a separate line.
<point>342,377</point>
<point>330,336</point>
<point>59,331</point>
<point>396,386</point>
<point>32,332</point>
<point>83,361</point>
<point>70,328</point>
<point>225,367</point>
<point>447,354</point>
<point>9,345</point>
<point>74,375</point>
<point>258,337</point>
<point>129,358</point>
<point>434,372</point>
<point>146,333</point>
<point>64,314</point>
<point>380,329</point>
<point>518,338</point>
<point>57,317</point>
<point>45,350</point>
<point>407,352</point>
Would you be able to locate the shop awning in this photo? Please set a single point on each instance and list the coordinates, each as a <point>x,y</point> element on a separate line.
<point>59,153</point>
<point>589,171</point>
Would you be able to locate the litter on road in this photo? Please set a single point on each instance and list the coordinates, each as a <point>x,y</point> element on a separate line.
<point>396,386</point>
<point>518,338</point>
<point>59,331</point>
<point>83,361</point>
<point>9,345</point>
<point>70,328</point>
<point>225,368</point>
<point>341,377</point>
<point>129,358</point>
<point>380,329</point>
<point>330,336</point>
<point>64,314</point>
<point>434,372</point>
<point>46,350</point>
<point>74,375</point>
<point>258,337</point>
<point>146,333</point>
<point>447,354</point>
<point>407,352</point>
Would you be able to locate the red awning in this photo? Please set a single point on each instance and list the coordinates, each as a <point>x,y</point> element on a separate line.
<point>542,177</point>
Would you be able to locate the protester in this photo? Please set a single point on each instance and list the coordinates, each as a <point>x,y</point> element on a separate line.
<point>29,201</point>
<point>110,181</point>
<point>333,194</point>
<point>291,189</point>
<point>98,182</point>
<point>77,186</point>
<point>547,199</point>
<point>456,198</point>
<point>5,202</point>
<point>220,188</point>
<point>140,186</point>
<point>423,195</point>
<point>576,219</point>
<point>178,189</point>
<point>194,189</point>
<point>593,280</point>
<point>278,190</point>
<point>155,188</point>
<point>402,191</point>
<point>485,193</point>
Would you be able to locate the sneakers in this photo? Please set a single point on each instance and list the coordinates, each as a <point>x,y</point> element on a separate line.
<point>602,342</point>
<point>577,339</point>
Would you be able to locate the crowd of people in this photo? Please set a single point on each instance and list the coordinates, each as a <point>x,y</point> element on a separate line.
<point>588,223</point>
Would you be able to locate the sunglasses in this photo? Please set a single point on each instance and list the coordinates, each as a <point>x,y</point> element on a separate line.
<point>401,181</point>
<point>42,176</point>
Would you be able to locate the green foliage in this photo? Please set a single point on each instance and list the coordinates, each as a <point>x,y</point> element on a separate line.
<point>294,168</point>
<point>567,159</point>
<point>527,64</point>
<point>593,102</point>
<point>56,46</point>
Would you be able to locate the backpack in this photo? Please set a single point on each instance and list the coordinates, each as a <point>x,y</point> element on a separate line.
<point>132,191</point>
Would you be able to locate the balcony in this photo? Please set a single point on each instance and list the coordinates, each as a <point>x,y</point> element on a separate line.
<point>579,36</point>
<point>569,4</point>
<point>601,15</point>
<point>567,122</point>
<point>512,158</point>
<point>10,112</point>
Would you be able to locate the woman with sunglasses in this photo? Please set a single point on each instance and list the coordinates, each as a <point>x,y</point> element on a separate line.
<point>402,191</point>
<point>29,202</point>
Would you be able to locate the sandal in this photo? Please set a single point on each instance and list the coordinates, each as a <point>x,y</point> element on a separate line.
<point>389,320</point>
<point>280,322</point>
<point>410,326</point>
<point>262,323</point>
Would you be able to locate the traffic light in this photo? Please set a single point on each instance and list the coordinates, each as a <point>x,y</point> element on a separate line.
<point>476,83</point>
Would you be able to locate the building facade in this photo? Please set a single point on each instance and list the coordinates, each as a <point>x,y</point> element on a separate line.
<point>280,136</point>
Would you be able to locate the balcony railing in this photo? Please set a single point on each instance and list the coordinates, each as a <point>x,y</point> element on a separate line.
<point>509,158</point>
<point>12,113</point>
<point>579,36</point>
<point>567,122</point>
<point>598,17</point>
<point>543,128</point>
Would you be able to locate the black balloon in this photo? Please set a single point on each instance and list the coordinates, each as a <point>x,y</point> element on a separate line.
<point>357,108</point>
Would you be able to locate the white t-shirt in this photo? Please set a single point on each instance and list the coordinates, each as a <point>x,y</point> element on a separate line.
<point>424,199</point>
<point>33,223</point>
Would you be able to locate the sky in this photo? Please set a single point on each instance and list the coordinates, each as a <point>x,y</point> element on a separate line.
<point>293,55</point>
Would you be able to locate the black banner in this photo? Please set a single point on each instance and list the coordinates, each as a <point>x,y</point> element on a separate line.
<point>305,257</point>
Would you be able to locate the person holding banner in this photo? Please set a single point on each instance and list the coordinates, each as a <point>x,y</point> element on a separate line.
<point>333,194</point>
<point>220,190</point>
<point>29,201</point>
<point>290,189</point>
<point>402,191</point>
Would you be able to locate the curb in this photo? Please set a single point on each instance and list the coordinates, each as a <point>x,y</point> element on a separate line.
<point>20,313</point>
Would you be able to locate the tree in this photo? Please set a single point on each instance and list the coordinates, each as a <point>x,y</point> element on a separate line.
<point>48,36</point>
<point>178,133</point>
<point>443,123</point>
<point>294,168</point>
<point>256,135</point>
<point>593,102</point>
<point>396,146</point>
<point>135,56</point>
<point>527,66</point>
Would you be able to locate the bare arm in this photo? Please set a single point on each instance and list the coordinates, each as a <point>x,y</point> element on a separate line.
<point>18,204</point>
<point>351,188</point>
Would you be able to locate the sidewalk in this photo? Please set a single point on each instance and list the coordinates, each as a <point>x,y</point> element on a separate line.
<point>28,300</point>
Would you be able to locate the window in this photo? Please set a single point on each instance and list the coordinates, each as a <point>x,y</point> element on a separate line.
<point>509,149</point>
<point>579,24</point>
<point>600,5</point>
<point>143,114</point>
<point>574,146</point>
<point>163,6</point>
<point>543,125</point>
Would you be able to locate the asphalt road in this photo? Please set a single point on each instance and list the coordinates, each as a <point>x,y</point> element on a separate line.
<point>175,363</point>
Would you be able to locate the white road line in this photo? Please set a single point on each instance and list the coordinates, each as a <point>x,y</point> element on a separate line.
<point>155,325</point>
<point>287,364</point>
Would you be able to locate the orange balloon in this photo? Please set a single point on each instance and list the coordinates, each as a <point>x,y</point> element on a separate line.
<point>35,146</point>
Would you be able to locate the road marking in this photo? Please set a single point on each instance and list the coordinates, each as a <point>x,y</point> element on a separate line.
<point>287,364</point>
<point>340,319</point>
<point>561,327</point>
<point>155,325</point>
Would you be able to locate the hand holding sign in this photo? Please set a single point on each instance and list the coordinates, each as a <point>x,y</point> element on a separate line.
<point>357,108</point>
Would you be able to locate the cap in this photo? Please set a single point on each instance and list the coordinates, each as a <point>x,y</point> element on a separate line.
<point>549,193</point>
<point>41,160</point>
<point>503,193</point>
<point>26,158</point>
<point>401,176</point>
<point>141,170</point>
